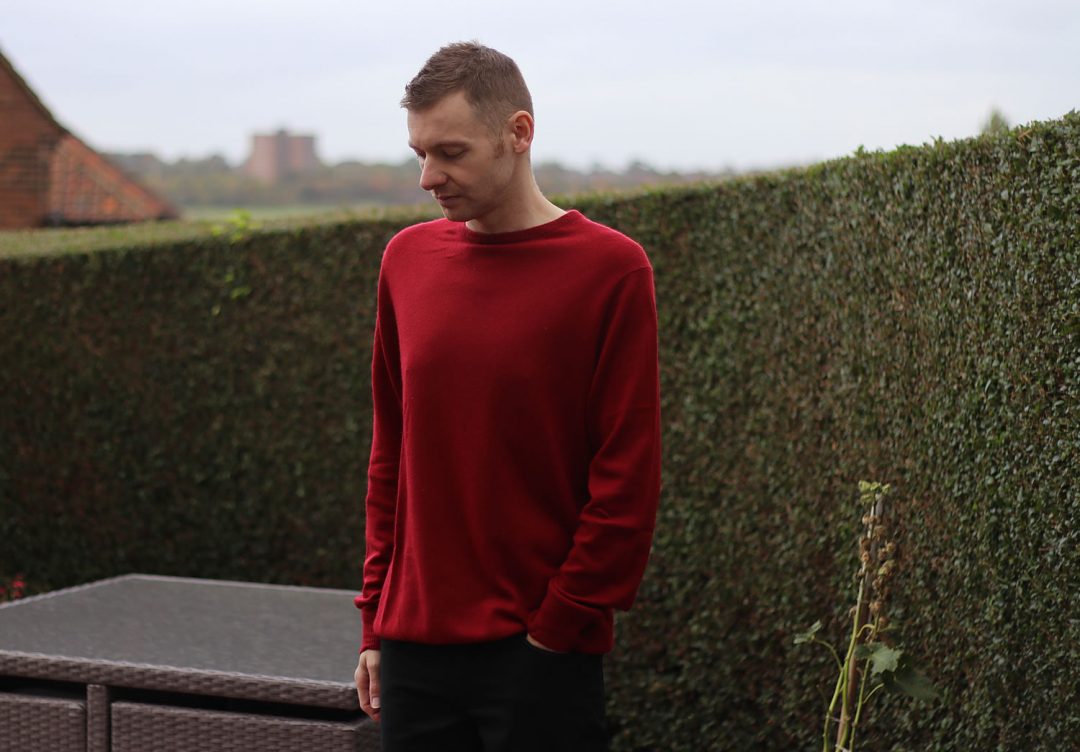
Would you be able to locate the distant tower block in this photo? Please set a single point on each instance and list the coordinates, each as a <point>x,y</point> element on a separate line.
<point>280,155</point>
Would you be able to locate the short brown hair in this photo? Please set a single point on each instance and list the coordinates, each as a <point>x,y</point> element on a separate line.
<point>491,81</point>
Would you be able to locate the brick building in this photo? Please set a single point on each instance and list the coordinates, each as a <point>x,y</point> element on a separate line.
<point>280,155</point>
<point>48,177</point>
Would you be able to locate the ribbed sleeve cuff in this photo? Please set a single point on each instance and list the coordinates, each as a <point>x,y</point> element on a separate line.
<point>566,626</point>
<point>368,640</point>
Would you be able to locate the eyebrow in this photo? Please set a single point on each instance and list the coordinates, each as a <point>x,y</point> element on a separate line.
<point>442,145</point>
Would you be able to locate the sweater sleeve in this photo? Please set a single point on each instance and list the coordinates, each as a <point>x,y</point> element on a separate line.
<point>611,545</point>
<point>381,500</point>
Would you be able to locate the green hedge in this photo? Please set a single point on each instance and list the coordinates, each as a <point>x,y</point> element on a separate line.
<point>195,408</point>
<point>910,317</point>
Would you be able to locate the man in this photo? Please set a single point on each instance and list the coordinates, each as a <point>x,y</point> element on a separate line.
<point>515,460</point>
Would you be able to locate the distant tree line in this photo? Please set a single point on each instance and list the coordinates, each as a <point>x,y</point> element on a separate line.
<point>213,182</point>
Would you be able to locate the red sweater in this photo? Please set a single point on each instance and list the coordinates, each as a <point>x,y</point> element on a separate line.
<point>515,460</point>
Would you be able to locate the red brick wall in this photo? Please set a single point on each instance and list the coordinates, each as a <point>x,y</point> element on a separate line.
<point>301,156</point>
<point>279,155</point>
<point>264,162</point>
<point>28,135</point>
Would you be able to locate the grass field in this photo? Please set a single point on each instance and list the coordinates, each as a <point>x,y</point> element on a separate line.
<point>196,221</point>
<point>219,213</point>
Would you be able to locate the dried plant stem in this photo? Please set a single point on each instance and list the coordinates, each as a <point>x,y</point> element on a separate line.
<point>850,690</point>
<point>872,661</point>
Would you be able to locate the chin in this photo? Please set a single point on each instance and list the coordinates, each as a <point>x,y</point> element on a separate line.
<point>456,214</point>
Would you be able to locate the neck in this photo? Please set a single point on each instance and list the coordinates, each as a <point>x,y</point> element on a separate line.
<point>526,207</point>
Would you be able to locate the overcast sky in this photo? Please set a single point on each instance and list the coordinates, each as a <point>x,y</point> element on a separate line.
<point>678,84</point>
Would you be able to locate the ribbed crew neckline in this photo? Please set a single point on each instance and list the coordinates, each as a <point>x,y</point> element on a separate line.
<point>516,236</point>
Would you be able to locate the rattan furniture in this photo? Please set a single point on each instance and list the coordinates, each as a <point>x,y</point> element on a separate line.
<point>146,663</point>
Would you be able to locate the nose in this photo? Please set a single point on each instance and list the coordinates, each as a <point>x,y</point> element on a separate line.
<point>431,177</point>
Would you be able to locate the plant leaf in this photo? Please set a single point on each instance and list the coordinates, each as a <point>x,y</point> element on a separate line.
<point>883,658</point>
<point>808,635</point>
<point>909,681</point>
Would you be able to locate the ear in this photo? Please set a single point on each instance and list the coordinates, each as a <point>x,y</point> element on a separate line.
<point>520,131</point>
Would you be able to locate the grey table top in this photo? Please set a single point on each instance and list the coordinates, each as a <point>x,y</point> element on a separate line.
<point>290,633</point>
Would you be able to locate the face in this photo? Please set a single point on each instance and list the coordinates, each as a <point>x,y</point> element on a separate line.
<point>468,169</point>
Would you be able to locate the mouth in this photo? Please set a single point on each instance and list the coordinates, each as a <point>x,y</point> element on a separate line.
<point>446,199</point>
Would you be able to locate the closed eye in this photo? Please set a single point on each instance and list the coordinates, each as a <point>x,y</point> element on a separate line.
<point>449,155</point>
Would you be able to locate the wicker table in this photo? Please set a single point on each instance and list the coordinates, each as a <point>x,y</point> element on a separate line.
<point>140,662</point>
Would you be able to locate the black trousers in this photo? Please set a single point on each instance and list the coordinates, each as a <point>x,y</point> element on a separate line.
<point>500,696</point>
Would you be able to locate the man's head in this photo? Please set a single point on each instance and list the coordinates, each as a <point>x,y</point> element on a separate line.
<point>471,127</point>
<point>490,81</point>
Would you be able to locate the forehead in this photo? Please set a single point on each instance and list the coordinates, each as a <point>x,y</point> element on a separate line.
<point>452,118</point>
